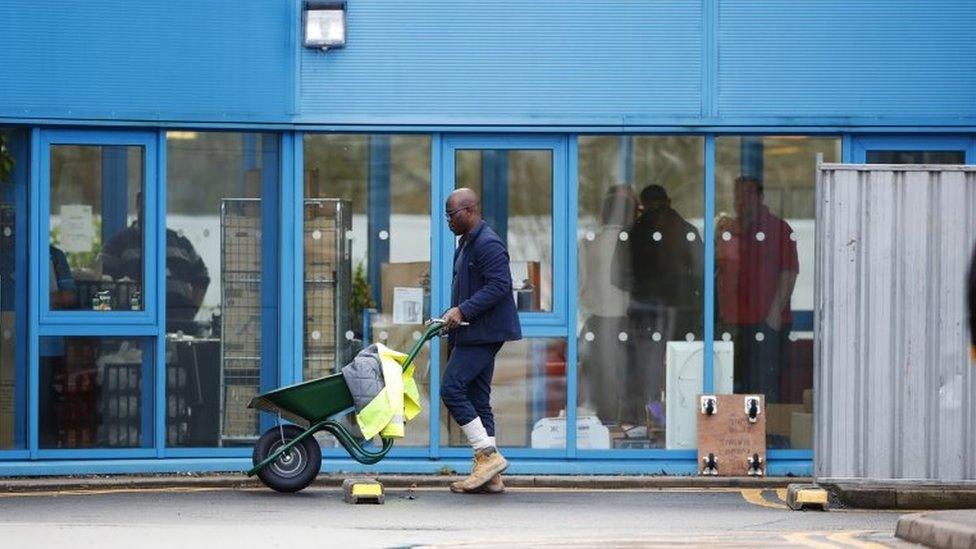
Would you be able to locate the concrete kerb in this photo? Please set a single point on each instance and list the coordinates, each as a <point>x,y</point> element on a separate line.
<point>939,529</point>
<point>239,481</point>
<point>908,495</point>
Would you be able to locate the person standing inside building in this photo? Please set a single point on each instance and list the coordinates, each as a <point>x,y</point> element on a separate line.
<point>187,278</point>
<point>757,269</point>
<point>481,296</point>
<point>601,353</point>
<point>664,254</point>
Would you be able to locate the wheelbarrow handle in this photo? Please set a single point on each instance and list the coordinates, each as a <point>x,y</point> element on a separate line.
<point>435,327</point>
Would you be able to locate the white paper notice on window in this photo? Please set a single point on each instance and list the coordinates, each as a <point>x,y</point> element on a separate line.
<point>77,228</point>
<point>408,305</point>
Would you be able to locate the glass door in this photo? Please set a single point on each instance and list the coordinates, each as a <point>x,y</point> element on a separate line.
<point>97,309</point>
<point>522,183</point>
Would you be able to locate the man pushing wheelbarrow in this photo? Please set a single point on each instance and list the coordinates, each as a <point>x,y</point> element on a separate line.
<point>481,295</point>
<point>379,383</point>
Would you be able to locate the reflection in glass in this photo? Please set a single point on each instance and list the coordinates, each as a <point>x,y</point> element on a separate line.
<point>640,284</point>
<point>214,308</point>
<point>13,290</point>
<point>528,397</point>
<point>95,393</point>
<point>515,187</point>
<point>367,253</point>
<point>96,252</point>
<point>916,157</point>
<point>764,257</point>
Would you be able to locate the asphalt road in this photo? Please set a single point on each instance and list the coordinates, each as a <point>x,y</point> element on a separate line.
<point>535,517</point>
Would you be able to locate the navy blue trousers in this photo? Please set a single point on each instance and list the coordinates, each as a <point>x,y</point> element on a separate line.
<point>466,386</point>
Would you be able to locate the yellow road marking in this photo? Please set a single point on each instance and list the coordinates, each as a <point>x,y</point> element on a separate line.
<point>804,540</point>
<point>755,497</point>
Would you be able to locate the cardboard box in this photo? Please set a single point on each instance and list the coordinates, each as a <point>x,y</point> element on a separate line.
<point>779,418</point>
<point>530,271</point>
<point>801,430</point>
<point>808,400</point>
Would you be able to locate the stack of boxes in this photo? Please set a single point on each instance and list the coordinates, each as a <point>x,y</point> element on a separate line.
<point>120,405</point>
<point>241,315</point>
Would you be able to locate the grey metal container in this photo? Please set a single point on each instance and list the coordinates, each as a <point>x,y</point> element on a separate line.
<point>894,390</point>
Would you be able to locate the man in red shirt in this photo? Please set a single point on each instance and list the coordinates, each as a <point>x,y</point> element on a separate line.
<point>757,268</point>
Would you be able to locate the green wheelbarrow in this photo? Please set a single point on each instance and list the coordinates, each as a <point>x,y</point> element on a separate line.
<point>287,458</point>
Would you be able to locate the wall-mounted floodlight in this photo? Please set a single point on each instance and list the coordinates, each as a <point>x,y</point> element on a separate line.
<point>325,24</point>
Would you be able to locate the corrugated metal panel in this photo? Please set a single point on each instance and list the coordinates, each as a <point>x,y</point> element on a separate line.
<point>840,58</point>
<point>493,62</point>
<point>220,60</point>
<point>894,385</point>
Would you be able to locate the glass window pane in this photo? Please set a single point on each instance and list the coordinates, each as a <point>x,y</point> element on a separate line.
<point>528,396</point>
<point>95,393</point>
<point>367,253</point>
<point>13,291</point>
<point>640,285</point>
<point>765,189</point>
<point>214,308</point>
<point>916,157</point>
<point>516,201</point>
<point>96,234</point>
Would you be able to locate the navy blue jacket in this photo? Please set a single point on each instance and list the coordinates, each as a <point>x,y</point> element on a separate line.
<point>482,289</point>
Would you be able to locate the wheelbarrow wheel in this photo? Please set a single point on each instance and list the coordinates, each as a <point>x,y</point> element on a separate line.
<point>294,469</point>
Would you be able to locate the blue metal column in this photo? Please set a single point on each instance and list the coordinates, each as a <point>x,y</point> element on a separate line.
<point>378,248</point>
<point>572,285</point>
<point>494,190</point>
<point>290,261</point>
<point>709,290</point>
<point>36,291</point>
<point>442,178</point>
<point>115,190</point>
<point>159,347</point>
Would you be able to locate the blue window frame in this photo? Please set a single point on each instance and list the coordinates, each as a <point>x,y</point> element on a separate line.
<point>114,212</point>
<point>532,322</point>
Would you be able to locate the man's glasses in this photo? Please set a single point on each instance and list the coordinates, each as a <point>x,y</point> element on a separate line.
<point>450,213</point>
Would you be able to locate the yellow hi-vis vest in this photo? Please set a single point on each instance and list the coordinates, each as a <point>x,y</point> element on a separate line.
<point>397,403</point>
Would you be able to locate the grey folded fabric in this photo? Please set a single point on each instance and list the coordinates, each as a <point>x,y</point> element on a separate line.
<point>364,376</point>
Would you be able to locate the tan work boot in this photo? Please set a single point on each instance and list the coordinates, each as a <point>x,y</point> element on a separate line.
<point>493,486</point>
<point>488,464</point>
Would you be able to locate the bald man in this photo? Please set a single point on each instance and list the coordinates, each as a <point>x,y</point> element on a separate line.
<point>481,295</point>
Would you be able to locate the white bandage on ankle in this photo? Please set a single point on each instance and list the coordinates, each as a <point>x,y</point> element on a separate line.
<point>477,436</point>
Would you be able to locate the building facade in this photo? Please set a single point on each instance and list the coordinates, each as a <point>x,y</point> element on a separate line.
<point>196,207</point>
